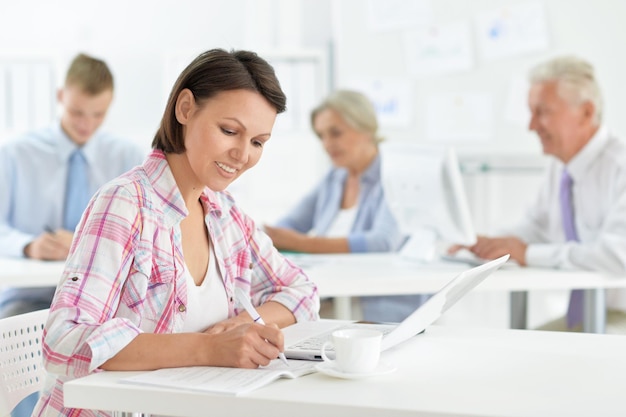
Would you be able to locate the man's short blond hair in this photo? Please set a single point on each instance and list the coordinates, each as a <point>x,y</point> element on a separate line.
<point>90,74</point>
<point>576,81</point>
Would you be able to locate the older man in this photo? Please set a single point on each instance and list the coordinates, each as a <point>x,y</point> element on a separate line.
<point>578,220</point>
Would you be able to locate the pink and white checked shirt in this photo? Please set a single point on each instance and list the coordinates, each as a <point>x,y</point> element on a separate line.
<point>124,274</point>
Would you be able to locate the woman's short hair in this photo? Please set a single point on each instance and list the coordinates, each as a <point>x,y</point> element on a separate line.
<point>90,74</point>
<point>354,107</point>
<point>212,72</point>
<point>576,81</point>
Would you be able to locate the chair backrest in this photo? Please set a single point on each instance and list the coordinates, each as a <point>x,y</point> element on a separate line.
<point>21,367</point>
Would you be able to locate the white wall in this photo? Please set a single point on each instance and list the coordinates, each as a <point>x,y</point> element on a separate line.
<point>146,41</point>
<point>591,29</point>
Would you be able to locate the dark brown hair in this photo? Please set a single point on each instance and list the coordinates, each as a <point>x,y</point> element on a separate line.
<point>90,74</point>
<point>210,73</point>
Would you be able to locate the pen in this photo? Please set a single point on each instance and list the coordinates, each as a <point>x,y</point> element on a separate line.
<point>243,299</point>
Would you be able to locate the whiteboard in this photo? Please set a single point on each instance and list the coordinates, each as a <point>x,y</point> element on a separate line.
<point>488,87</point>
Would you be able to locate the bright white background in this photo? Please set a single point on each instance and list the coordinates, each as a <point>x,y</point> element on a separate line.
<point>317,45</point>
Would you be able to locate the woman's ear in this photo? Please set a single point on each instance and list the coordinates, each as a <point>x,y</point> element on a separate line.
<point>184,106</point>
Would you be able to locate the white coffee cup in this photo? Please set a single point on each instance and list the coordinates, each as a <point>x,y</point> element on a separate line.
<point>356,350</point>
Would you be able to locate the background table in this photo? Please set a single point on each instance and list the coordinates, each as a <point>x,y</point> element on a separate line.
<point>16,272</point>
<point>447,371</point>
<point>355,275</point>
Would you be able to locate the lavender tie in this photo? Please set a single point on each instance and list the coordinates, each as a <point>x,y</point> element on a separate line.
<point>575,308</point>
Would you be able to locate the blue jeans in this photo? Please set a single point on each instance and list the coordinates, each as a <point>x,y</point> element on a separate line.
<point>26,406</point>
<point>392,308</point>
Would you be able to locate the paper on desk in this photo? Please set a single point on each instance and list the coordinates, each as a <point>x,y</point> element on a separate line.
<point>222,380</point>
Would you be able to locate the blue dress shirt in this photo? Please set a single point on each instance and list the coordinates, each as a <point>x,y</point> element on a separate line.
<point>33,178</point>
<point>33,173</point>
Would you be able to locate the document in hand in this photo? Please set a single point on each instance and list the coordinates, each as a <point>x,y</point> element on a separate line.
<point>212,379</point>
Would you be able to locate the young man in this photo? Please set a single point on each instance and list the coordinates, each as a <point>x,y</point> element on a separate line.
<point>47,176</point>
<point>578,220</point>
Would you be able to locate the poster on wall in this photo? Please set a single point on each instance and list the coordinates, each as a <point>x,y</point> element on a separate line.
<point>511,31</point>
<point>390,96</point>
<point>439,49</point>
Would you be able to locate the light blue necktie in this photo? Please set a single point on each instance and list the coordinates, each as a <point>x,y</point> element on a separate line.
<point>77,192</point>
<point>576,299</point>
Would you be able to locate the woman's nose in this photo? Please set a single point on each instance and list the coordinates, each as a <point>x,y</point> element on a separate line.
<point>240,153</point>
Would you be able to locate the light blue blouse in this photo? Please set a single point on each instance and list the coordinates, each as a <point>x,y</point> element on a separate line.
<point>374,229</point>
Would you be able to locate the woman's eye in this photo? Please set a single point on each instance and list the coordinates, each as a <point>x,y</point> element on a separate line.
<point>228,132</point>
<point>257,143</point>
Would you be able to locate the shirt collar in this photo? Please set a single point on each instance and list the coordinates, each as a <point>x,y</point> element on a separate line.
<point>67,146</point>
<point>210,202</point>
<point>580,163</point>
<point>162,180</point>
<point>164,184</point>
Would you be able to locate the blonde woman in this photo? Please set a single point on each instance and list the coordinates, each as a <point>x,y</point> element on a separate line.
<point>346,212</point>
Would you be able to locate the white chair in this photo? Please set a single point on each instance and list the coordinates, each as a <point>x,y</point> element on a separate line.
<point>21,368</point>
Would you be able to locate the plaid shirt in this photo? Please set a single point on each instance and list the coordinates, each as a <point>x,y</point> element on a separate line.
<point>124,274</point>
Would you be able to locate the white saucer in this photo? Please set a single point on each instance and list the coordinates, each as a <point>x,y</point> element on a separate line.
<point>329,369</point>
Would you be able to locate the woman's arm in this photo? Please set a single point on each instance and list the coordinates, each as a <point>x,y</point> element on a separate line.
<point>287,239</point>
<point>244,346</point>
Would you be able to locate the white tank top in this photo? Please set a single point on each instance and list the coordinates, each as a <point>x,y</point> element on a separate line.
<point>206,303</point>
<point>342,225</point>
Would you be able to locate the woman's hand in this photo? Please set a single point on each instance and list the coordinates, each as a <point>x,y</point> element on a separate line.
<point>245,345</point>
<point>228,324</point>
<point>284,239</point>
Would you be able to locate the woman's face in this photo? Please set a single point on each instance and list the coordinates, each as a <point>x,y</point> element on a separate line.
<point>224,136</point>
<point>346,146</point>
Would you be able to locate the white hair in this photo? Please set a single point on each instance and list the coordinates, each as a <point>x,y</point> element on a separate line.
<point>576,81</point>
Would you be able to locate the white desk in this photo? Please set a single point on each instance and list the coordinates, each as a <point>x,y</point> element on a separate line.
<point>29,273</point>
<point>387,274</point>
<point>448,371</point>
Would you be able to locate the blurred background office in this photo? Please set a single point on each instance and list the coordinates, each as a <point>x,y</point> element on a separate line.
<point>439,71</point>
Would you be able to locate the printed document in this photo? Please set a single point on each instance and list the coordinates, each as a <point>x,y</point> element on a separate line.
<point>222,380</point>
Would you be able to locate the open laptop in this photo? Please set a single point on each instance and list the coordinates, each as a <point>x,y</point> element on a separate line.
<point>304,340</point>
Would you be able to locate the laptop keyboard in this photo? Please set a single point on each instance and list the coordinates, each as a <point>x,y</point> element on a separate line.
<point>315,343</point>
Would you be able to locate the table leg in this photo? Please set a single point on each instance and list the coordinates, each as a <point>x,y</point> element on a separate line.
<point>519,309</point>
<point>594,320</point>
<point>342,307</point>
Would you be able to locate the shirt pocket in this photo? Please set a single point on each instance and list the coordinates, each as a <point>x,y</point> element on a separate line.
<point>147,296</point>
<point>238,266</point>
